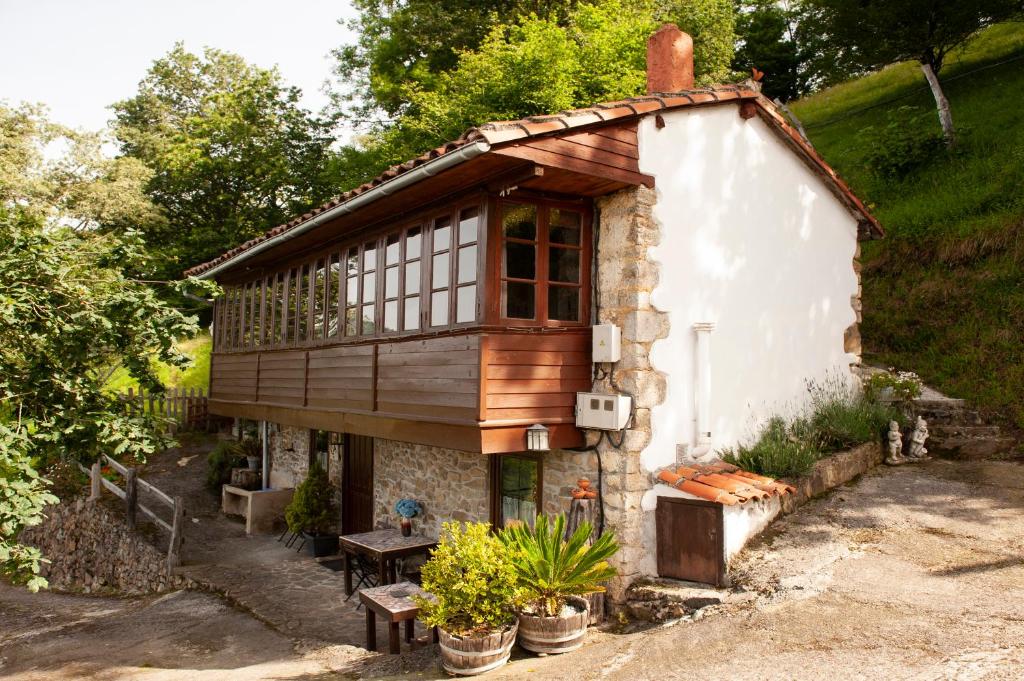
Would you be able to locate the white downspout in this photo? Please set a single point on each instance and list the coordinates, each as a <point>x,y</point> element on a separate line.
<point>702,398</point>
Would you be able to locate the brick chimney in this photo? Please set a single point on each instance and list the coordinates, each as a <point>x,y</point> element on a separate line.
<point>669,60</point>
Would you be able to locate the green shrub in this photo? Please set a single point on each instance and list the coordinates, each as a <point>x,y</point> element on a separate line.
<point>910,140</point>
<point>904,386</point>
<point>842,417</point>
<point>777,452</point>
<point>219,463</point>
<point>473,580</point>
<point>550,568</point>
<point>312,507</point>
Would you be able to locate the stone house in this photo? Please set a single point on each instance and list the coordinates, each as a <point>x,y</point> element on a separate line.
<point>411,330</point>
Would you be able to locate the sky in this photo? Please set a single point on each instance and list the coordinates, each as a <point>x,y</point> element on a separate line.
<point>79,56</point>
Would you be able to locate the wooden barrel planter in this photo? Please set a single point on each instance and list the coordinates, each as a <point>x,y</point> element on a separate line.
<point>552,635</point>
<point>467,656</point>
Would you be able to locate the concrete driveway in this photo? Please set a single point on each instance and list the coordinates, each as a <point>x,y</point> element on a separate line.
<point>908,573</point>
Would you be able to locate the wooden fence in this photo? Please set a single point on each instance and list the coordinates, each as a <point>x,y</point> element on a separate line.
<point>183,409</point>
<point>130,496</point>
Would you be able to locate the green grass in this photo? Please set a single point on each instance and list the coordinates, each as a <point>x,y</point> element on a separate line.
<point>196,376</point>
<point>944,292</point>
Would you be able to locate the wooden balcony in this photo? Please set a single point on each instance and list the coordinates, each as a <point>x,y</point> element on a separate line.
<point>475,391</point>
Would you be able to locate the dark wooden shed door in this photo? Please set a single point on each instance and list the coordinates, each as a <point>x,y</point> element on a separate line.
<point>691,540</point>
<point>357,485</point>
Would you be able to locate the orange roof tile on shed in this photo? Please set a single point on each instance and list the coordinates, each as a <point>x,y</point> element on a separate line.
<point>724,483</point>
<point>506,132</point>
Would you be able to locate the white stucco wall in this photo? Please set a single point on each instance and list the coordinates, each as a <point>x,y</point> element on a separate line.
<point>754,242</point>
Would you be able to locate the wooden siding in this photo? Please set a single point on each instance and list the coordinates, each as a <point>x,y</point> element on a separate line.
<point>473,391</point>
<point>611,153</point>
<point>536,376</point>
<point>233,377</point>
<point>433,377</point>
<point>341,377</point>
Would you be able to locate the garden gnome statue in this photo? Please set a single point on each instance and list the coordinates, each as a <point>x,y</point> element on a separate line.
<point>895,457</point>
<point>917,451</point>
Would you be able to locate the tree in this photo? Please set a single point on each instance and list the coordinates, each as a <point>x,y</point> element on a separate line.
<point>767,43</point>
<point>230,151</point>
<point>873,33</point>
<point>538,65</point>
<point>70,312</point>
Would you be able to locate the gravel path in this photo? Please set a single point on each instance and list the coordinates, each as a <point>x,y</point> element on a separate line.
<point>908,573</point>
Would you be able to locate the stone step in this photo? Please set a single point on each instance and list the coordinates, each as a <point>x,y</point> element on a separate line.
<point>972,448</point>
<point>660,600</point>
<point>951,416</point>
<point>945,430</point>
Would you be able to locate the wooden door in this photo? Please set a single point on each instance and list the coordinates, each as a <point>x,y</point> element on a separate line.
<point>357,485</point>
<point>691,540</point>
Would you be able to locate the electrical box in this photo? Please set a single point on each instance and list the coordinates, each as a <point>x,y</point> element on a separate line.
<point>607,345</point>
<point>603,412</point>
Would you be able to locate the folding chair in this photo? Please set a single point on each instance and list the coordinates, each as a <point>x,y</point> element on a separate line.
<point>365,572</point>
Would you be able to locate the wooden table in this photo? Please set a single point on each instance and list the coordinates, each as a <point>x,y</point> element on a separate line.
<point>383,546</point>
<point>394,603</point>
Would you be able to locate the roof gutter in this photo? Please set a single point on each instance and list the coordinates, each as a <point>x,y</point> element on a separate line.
<point>383,190</point>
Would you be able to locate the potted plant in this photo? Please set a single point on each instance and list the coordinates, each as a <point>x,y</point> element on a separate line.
<point>252,450</point>
<point>407,509</point>
<point>552,573</point>
<point>472,590</point>
<point>312,512</point>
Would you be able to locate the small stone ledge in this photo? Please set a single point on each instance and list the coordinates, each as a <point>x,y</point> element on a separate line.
<point>832,471</point>
<point>662,600</point>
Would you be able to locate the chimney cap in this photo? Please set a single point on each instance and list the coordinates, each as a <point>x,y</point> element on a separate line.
<point>669,60</point>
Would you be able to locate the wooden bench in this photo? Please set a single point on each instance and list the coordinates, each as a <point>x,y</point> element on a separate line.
<point>393,602</point>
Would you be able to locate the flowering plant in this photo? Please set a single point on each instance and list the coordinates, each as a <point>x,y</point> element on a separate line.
<point>407,508</point>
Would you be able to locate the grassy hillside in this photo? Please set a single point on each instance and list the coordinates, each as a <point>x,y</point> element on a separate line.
<point>196,376</point>
<point>944,292</point>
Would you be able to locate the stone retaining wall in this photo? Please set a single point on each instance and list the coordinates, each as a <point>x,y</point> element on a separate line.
<point>90,548</point>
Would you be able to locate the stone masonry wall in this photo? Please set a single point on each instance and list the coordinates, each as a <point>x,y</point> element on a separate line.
<point>625,278</point>
<point>561,471</point>
<point>449,484</point>
<point>90,548</point>
<point>851,339</point>
<point>289,456</point>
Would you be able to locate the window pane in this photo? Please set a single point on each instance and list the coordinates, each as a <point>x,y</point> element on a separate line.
<point>518,491</point>
<point>564,265</point>
<point>369,322</point>
<point>519,261</point>
<point>519,300</point>
<point>412,313</point>
<point>520,222</point>
<point>391,282</point>
<point>442,234</point>
<point>564,303</point>
<point>565,227</point>
<point>351,321</point>
<point>257,320</point>
<point>304,305</point>
<point>333,280</point>
<point>279,303</point>
<point>391,315</point>
<point>391,250</point>
<point>467,264</point>
<point>439,276</point>
<point>319,301</point>
<point>352,263</point>
<point>412,277</point>
<point>369,287</point>
<point>370,257</point>
<point>412,243</point>
<point>468,220</point>
<point>352,293</point>
<point>439,308</point>
<point>465,304</point>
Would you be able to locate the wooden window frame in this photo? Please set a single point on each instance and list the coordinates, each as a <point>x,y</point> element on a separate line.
<point>494,474</point>
<point>494,314</point>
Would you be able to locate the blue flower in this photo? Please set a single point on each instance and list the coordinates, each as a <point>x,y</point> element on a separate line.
<point>407,508</point>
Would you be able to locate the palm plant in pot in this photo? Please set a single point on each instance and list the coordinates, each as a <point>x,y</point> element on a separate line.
<point>472,590</point>
<point>553,573</point>
<point>313,513</point>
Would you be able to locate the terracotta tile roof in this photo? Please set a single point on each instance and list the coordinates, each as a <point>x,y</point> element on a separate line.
<point>724,483</point>
<point>501,132</point>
